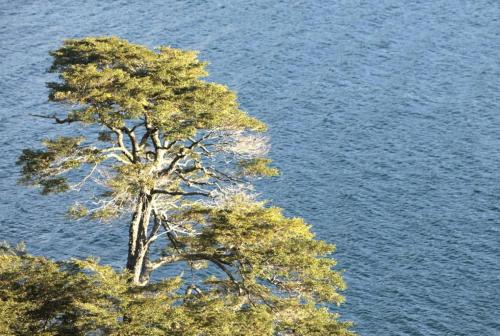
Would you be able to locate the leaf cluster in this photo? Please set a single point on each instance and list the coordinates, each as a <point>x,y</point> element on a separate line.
<point>44,167</point>
<point>268,254</point>
<point>81,297</point>
<point>114,81</point>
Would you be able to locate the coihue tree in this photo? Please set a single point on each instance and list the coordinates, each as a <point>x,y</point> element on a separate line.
<point>177,154</point>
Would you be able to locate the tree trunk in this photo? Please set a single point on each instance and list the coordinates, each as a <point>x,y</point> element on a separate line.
<point>138,235</point>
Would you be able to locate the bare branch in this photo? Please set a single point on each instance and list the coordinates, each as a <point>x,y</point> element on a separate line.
<point>79,185</point>
<point>144,139</point>
<point>133,140</point>
<point>117,157</point>
<point>222,267</point>
<point>119,139</point>
<point>156,227</point>
<point>190,182</point>
<point>182,153</point>
<point>152,265</point>
<point>180,193</point>
<point>56,119</point>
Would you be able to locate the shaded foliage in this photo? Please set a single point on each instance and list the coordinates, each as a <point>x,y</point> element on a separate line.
<point>81,297</point>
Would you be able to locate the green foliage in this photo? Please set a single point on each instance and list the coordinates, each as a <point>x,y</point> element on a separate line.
<point>267,252</point>
<point>77,211</point>
<point>44,167</point>
<point>81,297</point>
<point>258,167</point>
<point>118,81</point>
<point>178,154</point>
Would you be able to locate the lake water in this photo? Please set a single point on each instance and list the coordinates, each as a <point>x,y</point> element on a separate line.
<point>385,123</point>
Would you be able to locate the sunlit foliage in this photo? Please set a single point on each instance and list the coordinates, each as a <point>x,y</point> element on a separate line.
<point>177,154</point>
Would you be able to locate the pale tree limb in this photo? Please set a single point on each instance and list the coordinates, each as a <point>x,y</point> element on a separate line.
<point>119,139</point>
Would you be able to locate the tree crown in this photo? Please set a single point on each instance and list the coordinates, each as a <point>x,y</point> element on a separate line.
<point>177,153</point>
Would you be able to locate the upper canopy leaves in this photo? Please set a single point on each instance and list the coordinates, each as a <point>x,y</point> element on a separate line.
<point>115,81</point>
<point>166,130</point>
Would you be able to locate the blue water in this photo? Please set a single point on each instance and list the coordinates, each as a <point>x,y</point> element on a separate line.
<point>385,122</point>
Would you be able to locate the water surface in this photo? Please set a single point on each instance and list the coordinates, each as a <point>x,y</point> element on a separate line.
<point>385,123</point>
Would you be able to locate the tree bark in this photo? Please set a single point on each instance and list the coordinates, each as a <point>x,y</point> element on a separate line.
<point>138,235</point>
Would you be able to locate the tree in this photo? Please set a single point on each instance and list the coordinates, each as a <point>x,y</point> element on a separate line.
<point>81,297</point>
<point>177,154</point>
<point>167,136</point>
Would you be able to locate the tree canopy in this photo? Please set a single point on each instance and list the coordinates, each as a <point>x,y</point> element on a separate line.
<point>81,297</point>
<point>160,138</point>
<point>177,155</point>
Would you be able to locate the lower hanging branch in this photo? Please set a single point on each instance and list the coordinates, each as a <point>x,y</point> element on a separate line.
<point>155,264</point>
<point>180,193</point>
